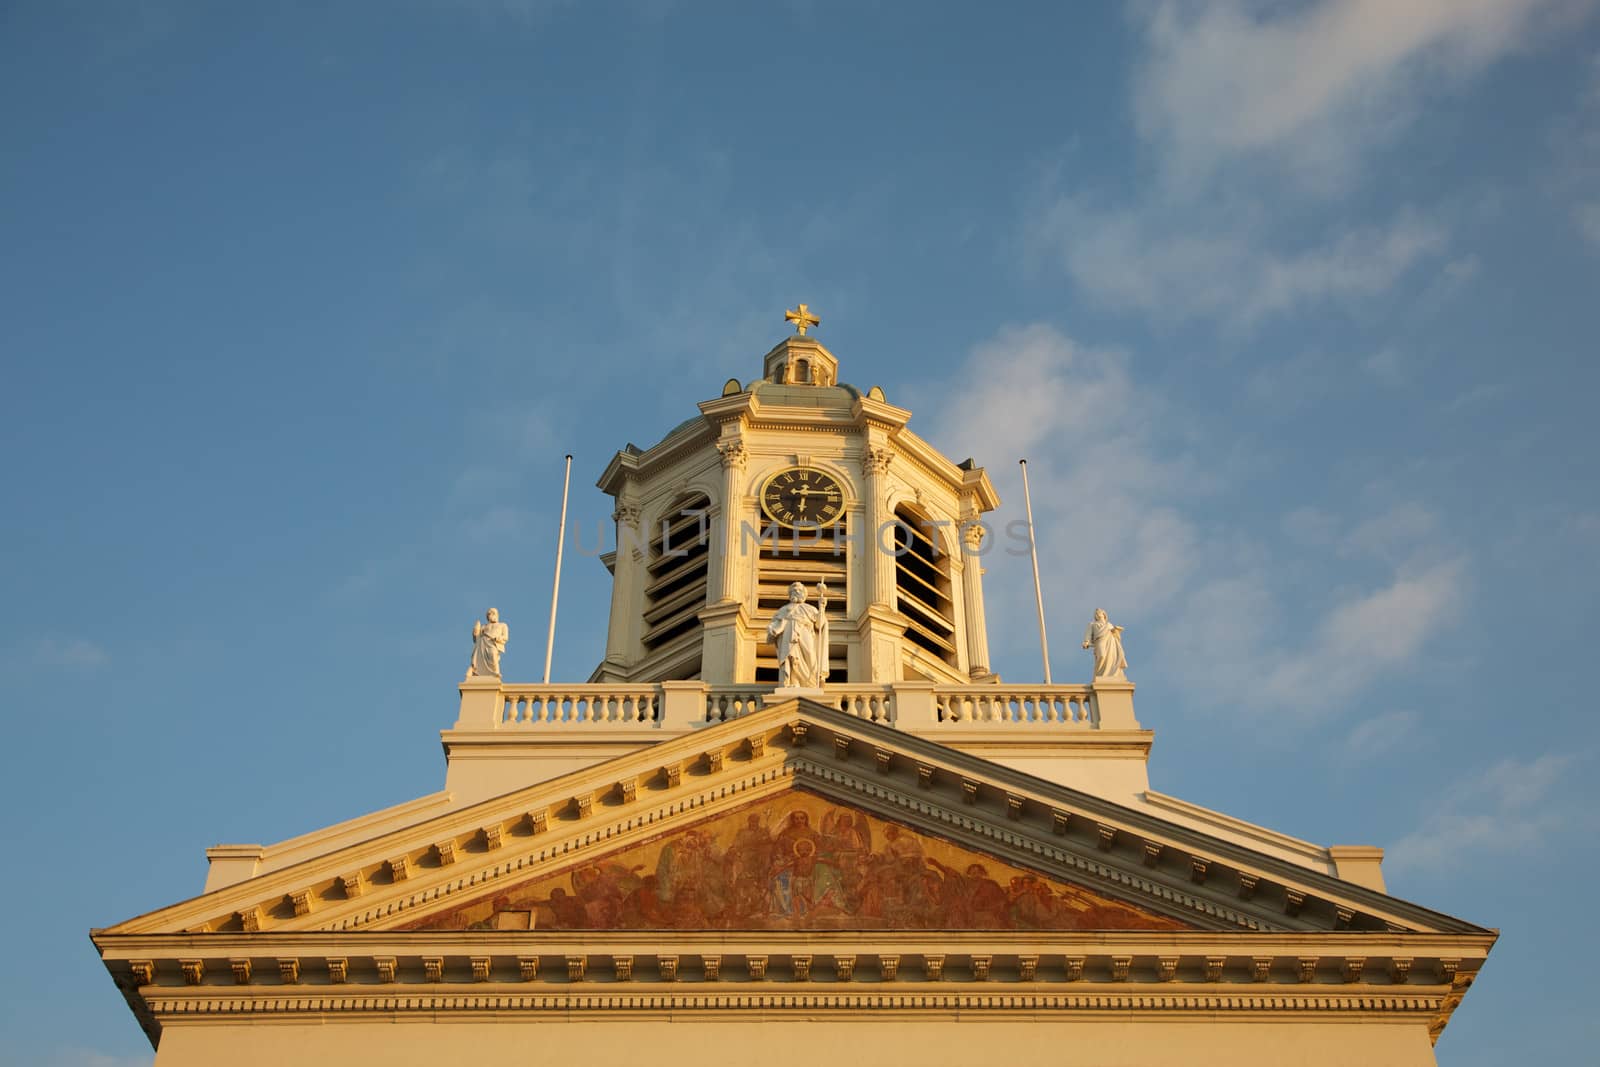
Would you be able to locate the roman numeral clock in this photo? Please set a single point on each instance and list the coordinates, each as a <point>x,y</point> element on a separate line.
<point>798,498</point>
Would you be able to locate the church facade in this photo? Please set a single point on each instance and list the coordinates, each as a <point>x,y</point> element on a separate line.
<point>793,815</point>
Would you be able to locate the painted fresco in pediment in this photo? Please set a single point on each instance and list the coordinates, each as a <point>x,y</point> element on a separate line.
<point>795,862</point>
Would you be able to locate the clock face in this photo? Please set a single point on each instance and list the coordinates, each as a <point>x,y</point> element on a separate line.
<point>801,496</point>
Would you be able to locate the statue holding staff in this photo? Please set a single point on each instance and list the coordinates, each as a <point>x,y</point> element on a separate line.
<point>799,631</point>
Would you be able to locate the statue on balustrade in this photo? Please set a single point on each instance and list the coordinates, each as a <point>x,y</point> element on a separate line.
<point>799,631</point>
<point>488,641</point>
<point>1106,640</point>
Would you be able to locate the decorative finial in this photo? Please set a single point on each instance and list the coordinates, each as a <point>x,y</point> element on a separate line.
<point>802,318</point>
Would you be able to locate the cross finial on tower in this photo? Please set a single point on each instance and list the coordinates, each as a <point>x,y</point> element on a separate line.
<point>802,318</point>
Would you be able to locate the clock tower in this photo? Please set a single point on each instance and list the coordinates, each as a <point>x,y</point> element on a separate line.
<point>796,477</point>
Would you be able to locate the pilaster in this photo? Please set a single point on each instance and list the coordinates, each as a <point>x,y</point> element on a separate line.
<point>626,586</point>
<point>728,561</point>
<point>971,540</point>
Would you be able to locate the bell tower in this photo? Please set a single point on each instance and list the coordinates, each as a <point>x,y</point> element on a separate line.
<point>796,477</point>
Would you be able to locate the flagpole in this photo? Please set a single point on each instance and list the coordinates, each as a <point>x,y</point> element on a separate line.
<point>1038,592</point>
<point>555,589</point>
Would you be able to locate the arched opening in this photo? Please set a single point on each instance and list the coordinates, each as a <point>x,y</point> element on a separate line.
<point>676,571</point>
<point>802,370</point>
<point>922,585</point>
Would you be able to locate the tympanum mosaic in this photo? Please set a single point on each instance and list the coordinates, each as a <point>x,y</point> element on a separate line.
<point>795,862</point>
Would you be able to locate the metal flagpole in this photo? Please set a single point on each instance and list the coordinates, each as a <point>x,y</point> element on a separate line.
<point>1038,593</point>
<point>555,590</point>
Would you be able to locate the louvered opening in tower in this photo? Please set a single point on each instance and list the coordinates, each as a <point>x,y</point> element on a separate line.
<point>922,585</point>
<point>679,556</point>
<point>807,556</point>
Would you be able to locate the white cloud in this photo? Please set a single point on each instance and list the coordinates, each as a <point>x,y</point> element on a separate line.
<point>1587,216</point>
<point>1393,535</point>
<point>1310,526</point>
<point>1382,734</point>
<point>1189,264</point>
<point>1108,495</point>
<point>1314,83</point>
<point>1104,529</point>
<point>1362,638</point>
<point>1388,365</point>
<point>1507,807</point>
<point>75,653</point>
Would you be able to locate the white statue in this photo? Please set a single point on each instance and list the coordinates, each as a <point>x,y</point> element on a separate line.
<point>800,632</point>
<point>1106,640</point>
<point>488,641</point>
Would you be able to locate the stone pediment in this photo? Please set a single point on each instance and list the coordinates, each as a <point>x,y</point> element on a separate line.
<point>1087,852</point>
<point>997,891</point>
<point>795,860</point>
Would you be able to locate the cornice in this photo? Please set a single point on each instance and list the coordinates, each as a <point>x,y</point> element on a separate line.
<point>628,465</point>
<point>170,978</point>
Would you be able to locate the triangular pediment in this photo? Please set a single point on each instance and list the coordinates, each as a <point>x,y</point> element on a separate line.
<point>795,860</point>
<point>1057,855</point>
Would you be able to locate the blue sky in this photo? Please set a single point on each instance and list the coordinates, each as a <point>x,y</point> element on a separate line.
<point>1291,308</point>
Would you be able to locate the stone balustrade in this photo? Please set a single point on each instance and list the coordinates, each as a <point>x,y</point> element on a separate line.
<point>1068,705</point>
<point>593,705</point>
<point>921,707</point>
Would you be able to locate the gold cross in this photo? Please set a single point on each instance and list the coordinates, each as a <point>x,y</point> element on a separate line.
<point>801,317</point>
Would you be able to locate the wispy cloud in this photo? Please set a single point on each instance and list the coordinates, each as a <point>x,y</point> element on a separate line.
<point>1392,535</point>
<point>1508,807</point>
<point>1314,84</point>
<point>57,652</point>
<point>1386,734</point>
<point>1573,173</point>
<point>1363,638</point>
<point>1111,491</point>
<point>1587,216</point>
<point>1181,264</point>
<point>1229,98</point>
